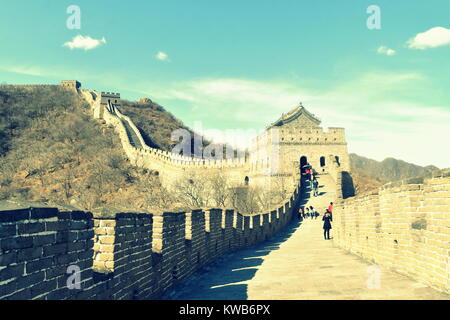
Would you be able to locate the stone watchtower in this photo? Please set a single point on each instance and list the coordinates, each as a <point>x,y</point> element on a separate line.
<point>107,100</point>
<point>296,139</point>
<point>71,85</point>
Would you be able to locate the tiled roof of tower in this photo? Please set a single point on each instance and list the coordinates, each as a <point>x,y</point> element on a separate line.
<point>294,114</point>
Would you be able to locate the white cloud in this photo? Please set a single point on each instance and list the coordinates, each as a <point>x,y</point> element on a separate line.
<point>84,42</point>
<point>385,50</point>
<point>379,122</point>
<point>432,38</point>
<point>162,56</point>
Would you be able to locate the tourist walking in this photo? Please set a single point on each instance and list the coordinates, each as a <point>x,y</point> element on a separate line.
<point>330,209</point>
<point>307,212</point>
<point>316,187</point>
<point>308,174</point>
<point>327,224</point>
<point>300,213</point>
<point>312,212</point>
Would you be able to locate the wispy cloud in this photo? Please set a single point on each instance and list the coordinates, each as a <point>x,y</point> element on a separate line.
<point>24,69</point>
<point>432,38</point>
<point>385,50</point>
<point>162,56</point>
<point>84,42</point>
<point>56,72</point>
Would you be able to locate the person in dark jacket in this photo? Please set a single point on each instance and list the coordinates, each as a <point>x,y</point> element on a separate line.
<point>312,211</point>
<point>327,224</point>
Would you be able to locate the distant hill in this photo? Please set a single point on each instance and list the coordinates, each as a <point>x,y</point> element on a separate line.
<point>369,174</point>
<point>53,152</point>
<point>156,125</point>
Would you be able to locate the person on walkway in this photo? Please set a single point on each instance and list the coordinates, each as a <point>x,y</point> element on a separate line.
<point>307,212</point>
<point>327,224</point>
<point>316,187</point>
<point>308,174</point>
<point>300,213</point>
<point>330,209</point>
<point>312,212</point>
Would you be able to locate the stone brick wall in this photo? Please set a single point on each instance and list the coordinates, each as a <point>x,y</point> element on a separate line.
<point>404,226</point>
<point>128,256</point>
<point>37,246</point>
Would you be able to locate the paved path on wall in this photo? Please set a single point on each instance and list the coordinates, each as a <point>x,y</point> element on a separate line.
<point>298,264</point>
<point>327,194</point>
<point>134,140</point>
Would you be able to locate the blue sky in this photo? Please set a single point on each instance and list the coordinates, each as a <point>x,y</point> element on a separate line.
<point>237,65</point>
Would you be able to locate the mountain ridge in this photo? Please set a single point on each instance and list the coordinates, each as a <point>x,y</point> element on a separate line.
<point>370,174</point>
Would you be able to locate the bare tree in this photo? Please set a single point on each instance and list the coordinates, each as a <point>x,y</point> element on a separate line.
<point>246,199</point>
<point>220,189</point>
<point>156,195</point>
<point>193,191</point>
<point>66,182</point>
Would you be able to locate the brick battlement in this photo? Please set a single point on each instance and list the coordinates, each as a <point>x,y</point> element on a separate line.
<point>128,256</point>
<point>111,94</point>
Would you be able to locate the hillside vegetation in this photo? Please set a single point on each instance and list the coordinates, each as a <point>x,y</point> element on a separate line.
<point>156,124</point>
<point>369,174</point>
<point>52,151</point>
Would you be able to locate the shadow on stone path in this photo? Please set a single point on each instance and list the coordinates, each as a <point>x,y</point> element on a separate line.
<point>225,279</point>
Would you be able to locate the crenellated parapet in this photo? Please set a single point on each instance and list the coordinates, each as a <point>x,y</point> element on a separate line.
<point>127,256</point>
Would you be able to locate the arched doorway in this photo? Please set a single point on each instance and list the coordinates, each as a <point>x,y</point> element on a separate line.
<point>303,162</point>
<point>322,161</point>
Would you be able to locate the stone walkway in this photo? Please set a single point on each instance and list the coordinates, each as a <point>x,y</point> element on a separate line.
<point>298,264</point>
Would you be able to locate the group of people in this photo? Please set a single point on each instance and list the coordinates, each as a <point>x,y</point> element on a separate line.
<point>310,212</point>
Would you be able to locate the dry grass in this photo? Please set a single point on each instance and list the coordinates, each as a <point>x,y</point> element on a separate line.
<point>52,150</point>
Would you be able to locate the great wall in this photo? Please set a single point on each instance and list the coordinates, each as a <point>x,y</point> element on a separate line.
<point>404,227</point>
<point>273,154</point>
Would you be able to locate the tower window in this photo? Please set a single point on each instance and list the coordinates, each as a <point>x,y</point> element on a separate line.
<point>322,161</point>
